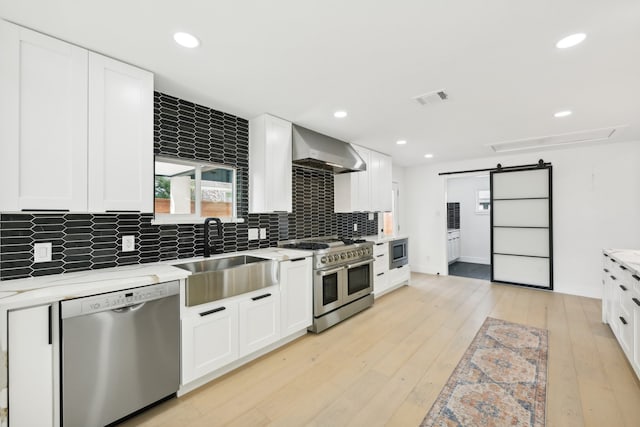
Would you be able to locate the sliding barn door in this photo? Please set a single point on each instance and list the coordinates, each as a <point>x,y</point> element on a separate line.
<point>521,232</point>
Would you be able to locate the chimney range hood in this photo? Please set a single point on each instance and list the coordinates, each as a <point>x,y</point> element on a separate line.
<point>315,150</point>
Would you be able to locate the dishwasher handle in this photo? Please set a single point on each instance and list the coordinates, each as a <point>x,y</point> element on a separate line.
<point>132,307</point>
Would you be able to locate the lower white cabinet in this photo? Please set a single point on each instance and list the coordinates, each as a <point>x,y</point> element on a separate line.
<point>259,323</point>
<point>209,340</point>
<point>621,307</point>
<point>296,295</point>
<point>31,362</point>
<point>453,246</point>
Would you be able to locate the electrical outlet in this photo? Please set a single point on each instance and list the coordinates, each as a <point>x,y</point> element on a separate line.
<point>128,243</point>
<point>263,233</point>
<point>253,234</point>
<point>355,227</point>
<point>42,252</point>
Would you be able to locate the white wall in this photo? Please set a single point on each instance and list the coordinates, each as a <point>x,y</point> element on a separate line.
<point>475,239</point>
<point>596,205</point>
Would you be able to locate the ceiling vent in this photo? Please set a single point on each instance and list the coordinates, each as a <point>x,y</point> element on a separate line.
<point>581,137</point>
<point>432,97</point>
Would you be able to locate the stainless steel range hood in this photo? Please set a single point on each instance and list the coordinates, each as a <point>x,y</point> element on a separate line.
<point>315,150</point>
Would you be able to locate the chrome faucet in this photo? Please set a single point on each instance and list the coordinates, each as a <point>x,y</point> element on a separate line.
<point>207,248</point>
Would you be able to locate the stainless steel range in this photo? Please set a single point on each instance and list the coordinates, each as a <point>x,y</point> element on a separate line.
<point>342,277</point>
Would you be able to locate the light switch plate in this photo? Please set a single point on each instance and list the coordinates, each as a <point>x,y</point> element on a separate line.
<point>42,252</point>
<point>253,234</point>
<point>263,233</point>
<point>128,243</point>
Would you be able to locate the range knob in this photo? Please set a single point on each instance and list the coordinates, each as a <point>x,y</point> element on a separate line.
<point>360,252</point>
<point>343,256</point>
<point>323,259</point>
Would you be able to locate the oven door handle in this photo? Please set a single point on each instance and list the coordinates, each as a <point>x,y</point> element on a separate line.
<point>327,272</point>
<point>358,264</point>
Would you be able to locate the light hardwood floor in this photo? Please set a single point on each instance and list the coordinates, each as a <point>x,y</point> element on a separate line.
<point>387,365</point>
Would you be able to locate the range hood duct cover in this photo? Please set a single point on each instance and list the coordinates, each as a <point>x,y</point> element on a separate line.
<point>315,150</point>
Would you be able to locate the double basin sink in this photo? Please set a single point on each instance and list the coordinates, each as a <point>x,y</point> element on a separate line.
<point>215,279</point>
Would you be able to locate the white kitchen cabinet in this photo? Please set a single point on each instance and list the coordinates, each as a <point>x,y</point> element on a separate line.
<point>380,268</point>
<point>296,295</point>
<point>76,128</point>
<point>259,320</point>
<point>453,245</point>
<point>120,136</point>
<point>209,339</point>
<point>31,367</point>
<point>270,180</point>
<point>366,191</point>
<point>43,122</point>
<point>381,182</point>
<point>621,307</point>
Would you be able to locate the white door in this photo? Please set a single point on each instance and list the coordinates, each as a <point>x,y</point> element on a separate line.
<point>521,227</point>
<point>209,340</point>
<point>43,122</point>
<point>31,363</point>
<point>120,136</point>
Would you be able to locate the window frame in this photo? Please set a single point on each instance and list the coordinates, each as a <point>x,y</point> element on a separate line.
<point>477,205</point>
<point>196,217</point>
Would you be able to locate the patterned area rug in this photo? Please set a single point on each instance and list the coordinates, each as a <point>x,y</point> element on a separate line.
<point>500,381</point>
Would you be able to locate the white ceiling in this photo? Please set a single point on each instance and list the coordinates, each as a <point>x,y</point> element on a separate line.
<point>302,60</point>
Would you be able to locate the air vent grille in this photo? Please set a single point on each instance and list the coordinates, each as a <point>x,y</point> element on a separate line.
<point>581,137</point>
<point>430,98</point>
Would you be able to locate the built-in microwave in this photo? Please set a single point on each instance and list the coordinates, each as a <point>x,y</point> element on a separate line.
<point>398,253</point>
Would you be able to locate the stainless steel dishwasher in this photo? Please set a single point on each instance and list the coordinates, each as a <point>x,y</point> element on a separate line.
<point>120,353</point>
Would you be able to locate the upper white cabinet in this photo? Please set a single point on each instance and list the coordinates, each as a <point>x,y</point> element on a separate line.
<point>120,136</point>
<point>43,122</point>
<point>366,191</point>
<point>270,186</point>
<point>76,128</point>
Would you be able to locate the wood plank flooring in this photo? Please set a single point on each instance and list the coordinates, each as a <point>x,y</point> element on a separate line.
<point>387,365</point>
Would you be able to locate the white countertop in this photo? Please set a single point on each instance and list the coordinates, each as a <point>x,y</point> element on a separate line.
<point>629,258</point>
<point>45,289</point>
<point>383,239</point>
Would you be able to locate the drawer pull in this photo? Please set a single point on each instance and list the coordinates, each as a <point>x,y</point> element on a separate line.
<point>606,255</point>
<point>381,255</point>
<point>379,274</point>
<point>613,260</point>
<point>624,322</point>
<point>260,297</point>
<point>623,288</point>
<point>379,244</point>
<point>215,310</point>
<point>636,300</point>
<point>606,270</point>
<point>613,277</point>
<point>636,277</point>
<point>297,259</point>
<point>622,267</point>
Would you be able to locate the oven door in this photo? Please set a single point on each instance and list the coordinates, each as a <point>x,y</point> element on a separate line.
<point>359,277</point>
<point>328,290</point>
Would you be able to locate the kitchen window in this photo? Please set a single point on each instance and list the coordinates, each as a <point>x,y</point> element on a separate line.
<point>188,191</point>
<point>483,201</point>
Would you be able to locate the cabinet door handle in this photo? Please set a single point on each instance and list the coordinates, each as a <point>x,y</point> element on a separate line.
<point>606,270</point>
<point>624,322</point>
<point>623,288</point>
<point>379,274</point>
<point>636,300</point>
<point>613,260</point>
<point>622,267</point>
<point>215,310</point>
<point>50,324</point>
<point>298,259</point>
<point>379,244</point>
<point>260,297</point>
<point>613,277</point>
<point>636,277</point>
<point>381,255</point>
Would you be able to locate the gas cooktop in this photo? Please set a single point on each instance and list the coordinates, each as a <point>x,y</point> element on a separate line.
<point>331,251</point>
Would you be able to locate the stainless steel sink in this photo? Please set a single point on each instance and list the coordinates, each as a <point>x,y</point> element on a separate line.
<point>219,278</point>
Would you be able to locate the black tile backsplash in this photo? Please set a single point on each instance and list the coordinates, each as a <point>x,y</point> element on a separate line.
<point>186,130</point>
<point>453,215</point>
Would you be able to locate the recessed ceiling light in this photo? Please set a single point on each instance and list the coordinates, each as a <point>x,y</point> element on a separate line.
<point>428,156</point>
<point>571,40</point>
<point>401,142</point>
<point>186,40</point>
<point>340,114</point>
<point>564,113</point>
